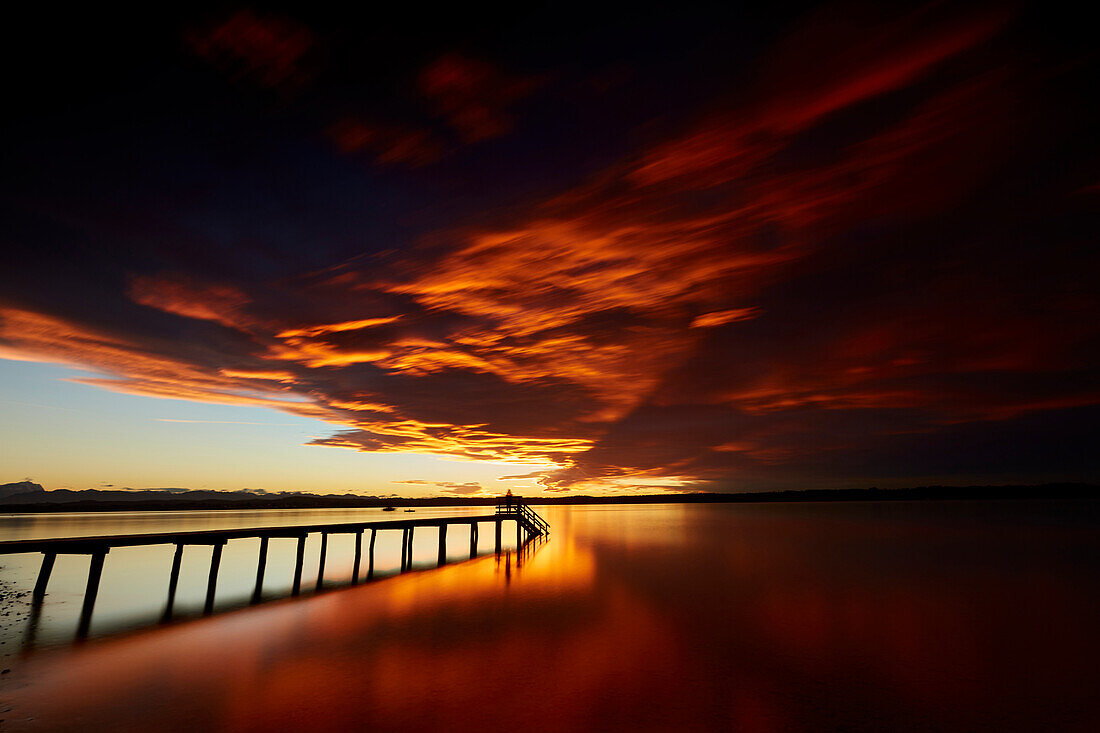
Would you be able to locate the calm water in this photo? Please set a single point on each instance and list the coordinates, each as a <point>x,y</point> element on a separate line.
<point>770,617</point>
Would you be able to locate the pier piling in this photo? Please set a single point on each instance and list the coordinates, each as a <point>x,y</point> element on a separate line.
<point>370,555</point>
<point>297,587</point>
<point>212,581</point>
<point>321,562</point>
<point>261,568</point>
<point>95,572</point>
<point>358,557</point>
<point>442,559</point>
<point>44,576</point>
<point>173,582</point>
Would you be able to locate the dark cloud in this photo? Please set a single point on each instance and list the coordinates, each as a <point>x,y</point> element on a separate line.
<point>387,143</point>
<point>262,48</point>
<point>472,95</point>
<point>864,254</point>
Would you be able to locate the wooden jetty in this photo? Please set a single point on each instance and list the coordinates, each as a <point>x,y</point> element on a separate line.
<point>528,523</point>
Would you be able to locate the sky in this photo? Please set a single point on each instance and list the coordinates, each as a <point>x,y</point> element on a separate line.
<point>558,249</point>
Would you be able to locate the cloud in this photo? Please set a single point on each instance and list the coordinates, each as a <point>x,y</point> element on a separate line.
<point>855,254</point>
<point>450,487</point>
<point>388,143</point>
<point>184,296</point>
<point>472,95</point>
<point>219,422</point>
<point>264,49</point>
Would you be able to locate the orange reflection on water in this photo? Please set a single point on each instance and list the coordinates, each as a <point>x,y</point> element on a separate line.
<point>751,618</point>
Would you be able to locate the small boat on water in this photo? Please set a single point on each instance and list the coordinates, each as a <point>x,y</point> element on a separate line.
<point>410,510</point>
<point>389,509</point>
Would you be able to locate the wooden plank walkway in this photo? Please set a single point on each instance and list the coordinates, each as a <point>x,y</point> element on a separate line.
<point>528,526</point>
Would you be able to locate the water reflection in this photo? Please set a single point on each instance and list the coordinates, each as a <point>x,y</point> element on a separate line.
<point>917,617</point>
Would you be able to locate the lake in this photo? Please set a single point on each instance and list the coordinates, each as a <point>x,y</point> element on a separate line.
<point>862,616</point>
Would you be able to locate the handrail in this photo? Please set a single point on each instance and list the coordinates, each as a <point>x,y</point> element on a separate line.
<point>528,516</point>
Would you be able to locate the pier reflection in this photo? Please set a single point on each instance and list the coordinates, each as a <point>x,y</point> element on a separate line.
<point>751,618</point>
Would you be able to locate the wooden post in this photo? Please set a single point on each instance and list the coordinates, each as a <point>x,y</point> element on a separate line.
<point>261,568</point>
<point>173,581</point>
<point>95,572</point>
<point>212,581</point>
<point>473,539</point>
<point>298,566</point>
<point>44,576</point>
<point>370,554</point>
<point>321,564</point>
<point>499,523</point>
<point>409,565</point>
<point>519,535</point>
<point>358,556</point>
<point>404,547</point>
<point>442,559</point>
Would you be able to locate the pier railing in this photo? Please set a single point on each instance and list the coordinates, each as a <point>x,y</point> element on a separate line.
<point>534,524</point>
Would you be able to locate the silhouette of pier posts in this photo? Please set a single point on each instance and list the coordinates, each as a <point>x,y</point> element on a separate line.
<point>442,559</point>
<point>321,562</point>
<point>404,546</point>
<point>358,557</point>
<point>44,576</point>
<point>370,555</point>
<point>261,568</point>
<point>95,572</point>
<point>212,579</point>
<point>528,524</point>
<point>174,577</point>
<point>301,551</point>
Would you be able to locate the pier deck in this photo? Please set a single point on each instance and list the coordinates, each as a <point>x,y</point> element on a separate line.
<point>528,526</point>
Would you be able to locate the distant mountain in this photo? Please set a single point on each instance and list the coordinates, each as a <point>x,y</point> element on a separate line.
<point>30,497</point>
<point>26,492</point>
<point>18,488</point>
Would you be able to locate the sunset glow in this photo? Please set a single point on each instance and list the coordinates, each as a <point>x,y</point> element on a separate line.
<point>857,249</point>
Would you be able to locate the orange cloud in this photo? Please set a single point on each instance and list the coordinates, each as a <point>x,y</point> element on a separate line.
<point>184,296</point>
<point>721,318</point>
<point>310,331</point>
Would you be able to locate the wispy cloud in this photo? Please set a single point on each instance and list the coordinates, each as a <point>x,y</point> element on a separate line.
<point>450,487</point>
<point>221,422</point>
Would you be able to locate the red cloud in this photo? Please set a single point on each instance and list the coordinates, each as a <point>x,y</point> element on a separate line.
<point>473,96</point>
<point>265,49</point>
<point>389,144</point>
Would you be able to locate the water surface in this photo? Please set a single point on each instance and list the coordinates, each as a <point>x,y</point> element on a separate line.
<point>767,617</point>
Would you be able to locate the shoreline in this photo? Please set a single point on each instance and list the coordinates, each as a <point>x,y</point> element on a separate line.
<point>1050,492</point>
